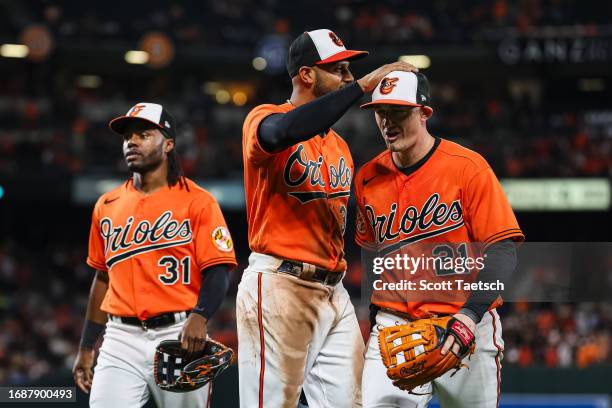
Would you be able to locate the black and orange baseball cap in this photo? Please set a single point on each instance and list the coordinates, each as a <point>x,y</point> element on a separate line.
<point>318,47</point>
<point>402,88</point>
<point>148,112</point>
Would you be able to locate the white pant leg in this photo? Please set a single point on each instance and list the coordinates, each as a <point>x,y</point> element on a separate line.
<point>119,376</point>
<point>249,340</point>
<point>478,386</point>
<point>123,375</point>
<point>333,374</point>
<point>378,390</point>
<point>283,323</point>
<point>277,315</point>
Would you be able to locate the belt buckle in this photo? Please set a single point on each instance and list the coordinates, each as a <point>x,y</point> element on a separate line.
<point>308,271</point>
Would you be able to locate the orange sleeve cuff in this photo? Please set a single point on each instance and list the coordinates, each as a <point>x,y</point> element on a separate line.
<point>96,265</point>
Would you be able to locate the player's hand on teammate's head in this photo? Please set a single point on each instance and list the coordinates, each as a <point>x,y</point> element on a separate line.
<point>193,334</point>
<point>370,81</point>
<point>82,370</point>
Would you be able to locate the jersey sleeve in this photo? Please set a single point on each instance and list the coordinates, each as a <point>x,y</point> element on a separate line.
<point>95,256</point>
<point>364,235</point>
<point>488,213</point>
<point>213,242</point>
<point>252,149</point>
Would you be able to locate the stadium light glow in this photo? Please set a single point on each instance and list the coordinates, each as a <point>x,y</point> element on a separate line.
<point>239,98</point>
<point>419,61</point>
<point>136,57</point>
<point>211,87</point>
<point>260,63</point>
<point>89,81</point>
<point>222,96</point>
<point>14,50</point>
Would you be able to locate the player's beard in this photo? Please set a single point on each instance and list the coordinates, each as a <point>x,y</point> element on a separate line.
<point>147,164</point>
<point>320,88</point>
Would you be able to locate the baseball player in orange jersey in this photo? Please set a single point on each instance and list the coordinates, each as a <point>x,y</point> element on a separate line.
<point>423,190</point>
<point>297,328</point>
<point>162,251</point>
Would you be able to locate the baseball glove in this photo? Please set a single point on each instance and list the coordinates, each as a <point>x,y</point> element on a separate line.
<point>177,371</point>
<point>412,352</point>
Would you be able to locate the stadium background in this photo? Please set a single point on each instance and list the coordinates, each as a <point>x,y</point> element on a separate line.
<point>525,83</point>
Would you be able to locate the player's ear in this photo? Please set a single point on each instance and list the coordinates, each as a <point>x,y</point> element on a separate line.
<point>426,112</point>
<point>168,145</point>
<point>307,76</point>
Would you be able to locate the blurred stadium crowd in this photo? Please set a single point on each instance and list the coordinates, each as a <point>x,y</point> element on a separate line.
<point>53,120</point>
<point>61,128</point>
<point>243,22</point>
<point>43,297</point>
<point>559,335</point>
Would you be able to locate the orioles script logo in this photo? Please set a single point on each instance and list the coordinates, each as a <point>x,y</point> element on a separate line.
<point>301,170</point>
<point>336,39</point>
<point>387,85</point>
<point>433,214</point>
<point>131,240</point>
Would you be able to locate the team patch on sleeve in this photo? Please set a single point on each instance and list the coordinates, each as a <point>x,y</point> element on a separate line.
<point>222,239</point>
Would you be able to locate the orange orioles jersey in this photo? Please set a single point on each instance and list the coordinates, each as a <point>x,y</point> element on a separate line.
<point>296,199</point>
<point>154,247</point>
<point>450,196</point>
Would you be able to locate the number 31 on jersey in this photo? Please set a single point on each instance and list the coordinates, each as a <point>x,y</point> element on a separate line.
<point>174,268</point>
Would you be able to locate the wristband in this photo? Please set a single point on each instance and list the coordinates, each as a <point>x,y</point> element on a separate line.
<point>91,334</point>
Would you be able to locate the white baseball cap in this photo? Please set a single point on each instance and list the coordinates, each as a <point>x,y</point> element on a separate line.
<point>148,112</point>
<point>318,47</point>
<point>402,88</point>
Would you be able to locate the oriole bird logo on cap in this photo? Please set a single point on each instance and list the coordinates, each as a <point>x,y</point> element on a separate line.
<point>136,110</point>
<point>387,85</point>
<point>336,39</point>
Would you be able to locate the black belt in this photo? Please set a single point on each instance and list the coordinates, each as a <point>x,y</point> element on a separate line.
<point>310,272</point>
<point>154,322</point>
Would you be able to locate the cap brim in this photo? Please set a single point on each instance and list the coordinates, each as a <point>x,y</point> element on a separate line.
<point>346,55</point>
<point>392,102</point>
<point>118,124</point>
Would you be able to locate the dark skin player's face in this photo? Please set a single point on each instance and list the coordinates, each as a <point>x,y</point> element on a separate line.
<point>331,77</point>
<point>144,146</point>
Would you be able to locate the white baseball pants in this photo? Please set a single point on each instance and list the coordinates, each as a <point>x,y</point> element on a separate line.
<point>295,334</point>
